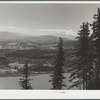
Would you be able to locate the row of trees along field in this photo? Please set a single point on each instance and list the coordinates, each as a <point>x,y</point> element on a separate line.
<point>85,62</point>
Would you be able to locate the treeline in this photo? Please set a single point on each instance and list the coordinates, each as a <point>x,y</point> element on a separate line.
<point>85,67</point>
<point>32,53</point>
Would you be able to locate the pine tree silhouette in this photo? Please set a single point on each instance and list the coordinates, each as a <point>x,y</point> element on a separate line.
<point>25,81</point>
<point>57,77</point>
<point>79,68</point>
<point>96,44</point>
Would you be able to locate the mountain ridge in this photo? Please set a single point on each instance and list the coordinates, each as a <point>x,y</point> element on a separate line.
<point>5,35</point>
<point>30,42</point>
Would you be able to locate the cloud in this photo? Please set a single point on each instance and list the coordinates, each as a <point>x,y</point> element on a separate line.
<point>58,32</point>
<point>38,32</point>
<point>7,27</point>
<point>13,29</point>
<point>54,30</point>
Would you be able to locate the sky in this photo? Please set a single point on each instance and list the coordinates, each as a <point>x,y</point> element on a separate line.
<point>45,19</point>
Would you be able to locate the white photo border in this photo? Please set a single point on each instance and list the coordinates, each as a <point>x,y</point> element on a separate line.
<point>50,94</point>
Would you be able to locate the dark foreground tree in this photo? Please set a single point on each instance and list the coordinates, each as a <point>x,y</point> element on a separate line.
<point>80,68</point>
<point>96,41</point>
<point>25,81</point>
<point>57,77</point>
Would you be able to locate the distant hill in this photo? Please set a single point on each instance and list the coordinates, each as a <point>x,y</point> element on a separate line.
<point>6,36</point>
<point>15,41</point>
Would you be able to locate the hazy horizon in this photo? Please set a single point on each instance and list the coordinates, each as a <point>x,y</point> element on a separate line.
<point>45,19</point>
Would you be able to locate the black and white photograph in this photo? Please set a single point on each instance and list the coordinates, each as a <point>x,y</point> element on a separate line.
<point>49,46</point>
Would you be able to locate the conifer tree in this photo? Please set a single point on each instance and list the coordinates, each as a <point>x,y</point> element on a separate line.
<point>90,67</point>
<point>57,77</point>
<point>96,42</point>
<point>25,81</point>
<point>79,68</point>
